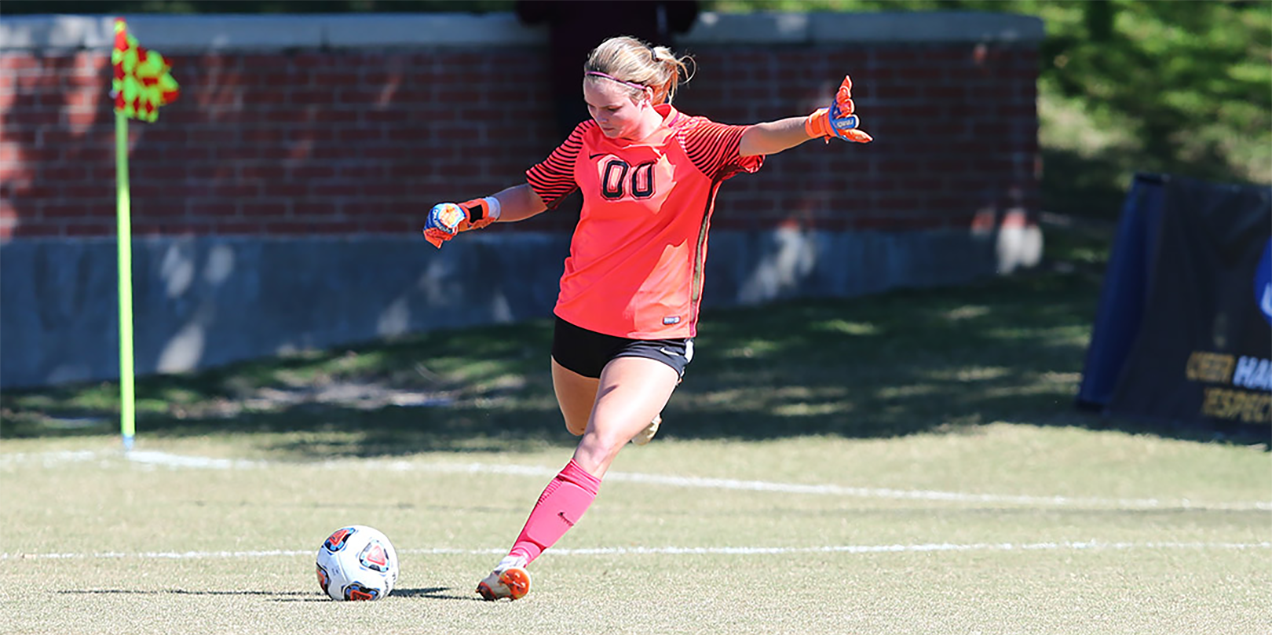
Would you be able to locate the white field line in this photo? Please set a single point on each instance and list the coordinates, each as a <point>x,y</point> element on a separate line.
<point>175,461</point>
<point>1089,545</point>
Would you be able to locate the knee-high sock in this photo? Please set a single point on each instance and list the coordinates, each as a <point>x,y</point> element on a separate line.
<point>560,506</point>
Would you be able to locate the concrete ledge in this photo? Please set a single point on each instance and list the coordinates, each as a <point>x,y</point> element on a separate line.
<point>177,33</point>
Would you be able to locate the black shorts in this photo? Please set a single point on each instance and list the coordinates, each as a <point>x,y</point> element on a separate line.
<point>587,352</point>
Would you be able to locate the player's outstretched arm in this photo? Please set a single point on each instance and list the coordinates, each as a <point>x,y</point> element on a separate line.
<point>837,121</point>
<point>772,137</point>
<point>446,220</point>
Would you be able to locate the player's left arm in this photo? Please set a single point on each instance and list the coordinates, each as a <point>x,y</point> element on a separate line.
<point>837,121</point>
<point>772,137</point>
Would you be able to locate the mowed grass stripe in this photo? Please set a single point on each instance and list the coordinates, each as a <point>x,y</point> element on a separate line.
<point>176,461</point>
<point>1085,545</point>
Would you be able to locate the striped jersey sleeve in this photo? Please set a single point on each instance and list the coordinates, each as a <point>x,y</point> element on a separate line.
<point>713,149</point>
<point>553,179</point>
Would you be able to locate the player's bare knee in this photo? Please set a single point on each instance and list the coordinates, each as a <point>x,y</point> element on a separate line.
<point>596,452</point>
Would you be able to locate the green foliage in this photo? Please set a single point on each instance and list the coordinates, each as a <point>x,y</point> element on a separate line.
<point>1128,86</point>
<point>1124,85</point>
<point>1188,85</point>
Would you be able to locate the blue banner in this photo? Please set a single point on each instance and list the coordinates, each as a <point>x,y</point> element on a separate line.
<point>1195,341</point>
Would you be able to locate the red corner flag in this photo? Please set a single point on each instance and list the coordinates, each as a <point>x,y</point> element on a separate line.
<point>142,83</point>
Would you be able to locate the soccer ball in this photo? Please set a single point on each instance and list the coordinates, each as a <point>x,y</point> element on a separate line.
<point>357,563</point>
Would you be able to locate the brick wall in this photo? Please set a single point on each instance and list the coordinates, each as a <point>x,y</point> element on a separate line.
<point>277,203</point>
<point>362,141</point>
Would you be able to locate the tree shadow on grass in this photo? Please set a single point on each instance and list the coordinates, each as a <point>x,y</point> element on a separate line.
<point>894,364</point>
<point>909,362</point>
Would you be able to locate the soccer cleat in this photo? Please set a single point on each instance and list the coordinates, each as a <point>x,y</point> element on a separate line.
<point>645,436</point>
<point>512,583</point>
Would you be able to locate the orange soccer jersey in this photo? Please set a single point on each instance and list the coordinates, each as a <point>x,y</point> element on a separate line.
<point>636,260</point>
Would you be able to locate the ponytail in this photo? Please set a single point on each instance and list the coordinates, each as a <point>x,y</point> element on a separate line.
<point>638,65</point>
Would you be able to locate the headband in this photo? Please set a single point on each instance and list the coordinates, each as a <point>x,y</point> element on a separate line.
<point>640,87</point>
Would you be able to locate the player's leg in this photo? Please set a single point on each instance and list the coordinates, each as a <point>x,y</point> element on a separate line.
<point>578,357</point>
<point>676,353</point>
<point>609,389</point>
<point>575,395</point>
<point>631,393</point>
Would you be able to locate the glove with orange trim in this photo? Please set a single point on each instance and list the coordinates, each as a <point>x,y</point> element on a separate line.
<point>446,220</point>
<point>837,121</point>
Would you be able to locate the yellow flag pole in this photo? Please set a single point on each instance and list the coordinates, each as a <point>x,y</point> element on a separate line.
<point>141,85</point>
<point>124,230</point>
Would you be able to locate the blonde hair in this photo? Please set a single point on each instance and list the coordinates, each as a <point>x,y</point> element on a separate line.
<point>631,61</point>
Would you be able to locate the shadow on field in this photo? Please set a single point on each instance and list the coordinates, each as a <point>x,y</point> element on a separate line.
<point>270,594</point>
<point>434,593</point>
<point>900,363</point>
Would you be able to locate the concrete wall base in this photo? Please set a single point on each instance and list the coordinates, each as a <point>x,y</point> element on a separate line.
<point>200,302</point>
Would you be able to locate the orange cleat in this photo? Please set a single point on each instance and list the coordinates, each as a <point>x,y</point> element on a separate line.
<point>512,583</point>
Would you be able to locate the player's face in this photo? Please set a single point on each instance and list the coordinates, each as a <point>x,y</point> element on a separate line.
<point>611,105</point>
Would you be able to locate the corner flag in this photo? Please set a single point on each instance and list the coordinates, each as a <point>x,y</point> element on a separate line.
<point>140,86</point>
<point>142,83</point>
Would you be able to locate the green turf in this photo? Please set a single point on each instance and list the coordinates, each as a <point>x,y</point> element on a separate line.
<point>196,549</point>
<point>904,463</point>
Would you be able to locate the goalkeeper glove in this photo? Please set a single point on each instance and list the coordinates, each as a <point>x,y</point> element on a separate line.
<point>446,220</point>
<point>838,120</point>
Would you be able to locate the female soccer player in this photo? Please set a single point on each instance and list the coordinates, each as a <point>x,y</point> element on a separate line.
<point>627,310</point>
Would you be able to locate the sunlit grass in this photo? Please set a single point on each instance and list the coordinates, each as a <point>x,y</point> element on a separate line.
<point>848,328</point>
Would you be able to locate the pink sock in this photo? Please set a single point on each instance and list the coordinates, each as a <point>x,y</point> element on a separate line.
<point>560,506</point>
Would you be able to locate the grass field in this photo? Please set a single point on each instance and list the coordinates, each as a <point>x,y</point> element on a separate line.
<point>903,463</point>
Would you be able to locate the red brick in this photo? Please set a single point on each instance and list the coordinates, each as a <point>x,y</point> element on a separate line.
<point>84,118</point>
<point>261,171</point>
<point>18,63</point>
<point>167,229</point>
<point>388,226</point>
<point>212,207</point>
<point>37,229</point>
<point>262,208</point>
<point>332,142</point>
<point>237,229</point>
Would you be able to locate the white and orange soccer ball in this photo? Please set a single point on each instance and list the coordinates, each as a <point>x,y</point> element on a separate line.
<point>357,563</point>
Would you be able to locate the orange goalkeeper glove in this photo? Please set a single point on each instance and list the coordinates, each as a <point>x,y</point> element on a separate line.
<point>838,121</point>
<point>446,220</point>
